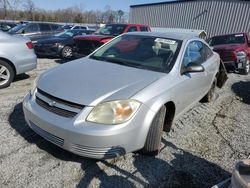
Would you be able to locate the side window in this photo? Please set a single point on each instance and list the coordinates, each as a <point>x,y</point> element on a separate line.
<point>194,53</point>
<point>132,29</point>
<point>32,28</point>
<point>76,27</point>
<point>143,28</point>
<point>44,27</point>
<point>82,27</point>
<point>54,27</point>
<point>208,52</point>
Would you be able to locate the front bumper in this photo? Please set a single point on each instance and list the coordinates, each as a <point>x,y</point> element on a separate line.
<point>235,65</point>
<point>85,138</point>
<point>51,51</point>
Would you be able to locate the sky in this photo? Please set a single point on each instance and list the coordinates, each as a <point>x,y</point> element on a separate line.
<point>90,4</point>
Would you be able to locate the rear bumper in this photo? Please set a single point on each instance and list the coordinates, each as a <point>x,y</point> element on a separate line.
<point>25,64</point>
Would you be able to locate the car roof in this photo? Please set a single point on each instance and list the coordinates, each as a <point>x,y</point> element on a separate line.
<point>171,35</point>
<point>240,33</point>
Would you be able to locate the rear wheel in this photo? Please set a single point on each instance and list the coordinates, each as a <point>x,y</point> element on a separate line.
<point>6,74</point>
<point>67,52</point>
<point>153,140</point>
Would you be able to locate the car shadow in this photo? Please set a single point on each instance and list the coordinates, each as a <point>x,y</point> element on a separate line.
<point>21,77</point>
<point>184,170</point>
<point>61,61</point>
<point>242,90</point>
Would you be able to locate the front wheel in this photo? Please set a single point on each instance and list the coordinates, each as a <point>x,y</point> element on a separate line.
<point>67,52</point>
<point>6,74</point>
<point>153,139</point>
<point>209,97</point>
<point>246,68</point>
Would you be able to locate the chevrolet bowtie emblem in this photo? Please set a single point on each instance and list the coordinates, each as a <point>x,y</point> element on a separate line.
<point>52,103</point>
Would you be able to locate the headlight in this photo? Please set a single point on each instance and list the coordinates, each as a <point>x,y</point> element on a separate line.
<point>241,54</point>
<point>113,112</point>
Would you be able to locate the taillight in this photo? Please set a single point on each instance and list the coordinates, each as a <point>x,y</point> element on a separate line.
<point>29,45</point>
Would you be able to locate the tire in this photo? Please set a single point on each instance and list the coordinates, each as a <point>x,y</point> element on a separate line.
<point>153,139</point>
<point>67,52</point>
<point>6,74</point>
<point>245,71</point>
<point>209,97</point>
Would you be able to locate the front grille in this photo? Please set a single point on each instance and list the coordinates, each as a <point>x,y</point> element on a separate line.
<point>58,106</point>
<point>86,47</point>
<point>55,109</point>
<point>48,136</point>
<point>227,55</point>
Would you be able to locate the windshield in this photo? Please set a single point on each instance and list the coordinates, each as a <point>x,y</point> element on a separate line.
<point>113,30</point>
<point>66,34</point>
<point>227,39</point>
<point>17,28</point>
<point>143,52</point>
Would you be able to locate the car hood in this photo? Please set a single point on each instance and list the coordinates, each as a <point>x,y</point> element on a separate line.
<point>52,40</point>
<point>93,37</point>
<point>228,47</point>
<point>89,82</point>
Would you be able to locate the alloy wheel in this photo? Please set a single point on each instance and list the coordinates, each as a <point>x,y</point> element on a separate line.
<point>4,75</point>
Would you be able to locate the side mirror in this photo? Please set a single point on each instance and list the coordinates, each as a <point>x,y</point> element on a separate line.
<point>193,67</point>
<point>23,31</point>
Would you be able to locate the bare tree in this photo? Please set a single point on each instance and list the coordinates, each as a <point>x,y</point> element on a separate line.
<point>30,7</point>
<point>120,14</point>
<point>5,5</point>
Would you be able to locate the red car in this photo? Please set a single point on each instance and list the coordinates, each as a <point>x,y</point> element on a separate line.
<point>84,45</point>
<point>234,50</point>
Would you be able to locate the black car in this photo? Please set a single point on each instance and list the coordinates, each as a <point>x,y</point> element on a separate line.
<point>6,26</point>
<point>36,31</point>
<point>59,45</point>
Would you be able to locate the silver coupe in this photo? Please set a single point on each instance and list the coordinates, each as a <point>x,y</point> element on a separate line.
<point>122,97</point>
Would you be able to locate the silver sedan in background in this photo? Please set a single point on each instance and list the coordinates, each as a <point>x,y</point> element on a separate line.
<point>16,56</point>
<point>120,98</point>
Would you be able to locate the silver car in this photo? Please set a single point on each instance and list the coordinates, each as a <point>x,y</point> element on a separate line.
<point>16,56</point>
<point>120,98</point>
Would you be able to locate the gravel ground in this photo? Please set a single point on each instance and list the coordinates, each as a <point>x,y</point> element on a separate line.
<point>200,150</point>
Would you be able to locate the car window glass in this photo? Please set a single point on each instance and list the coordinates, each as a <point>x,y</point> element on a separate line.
<point>194,53</point>
<point>32,28</point>
<point>44,27</point>
<point>54,27</point>
<point>146,52</point>
<point>208,52</point>
<point>143,28</point>
<point>132,29</point>
<point>76,27</point>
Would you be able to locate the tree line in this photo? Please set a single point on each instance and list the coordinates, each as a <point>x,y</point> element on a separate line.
<point>26,10</point>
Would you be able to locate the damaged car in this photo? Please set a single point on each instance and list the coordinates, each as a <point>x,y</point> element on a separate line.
<point>120,98</point>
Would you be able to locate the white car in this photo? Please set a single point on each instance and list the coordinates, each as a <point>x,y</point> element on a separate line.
<point>17,56</point>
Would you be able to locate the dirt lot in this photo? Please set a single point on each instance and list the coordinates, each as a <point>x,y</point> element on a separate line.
<point>200,150</point>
